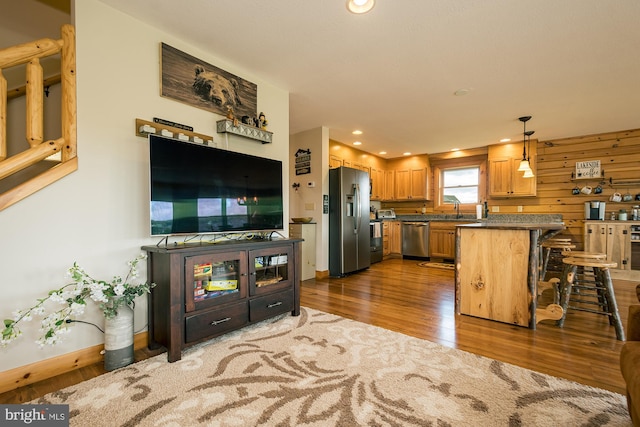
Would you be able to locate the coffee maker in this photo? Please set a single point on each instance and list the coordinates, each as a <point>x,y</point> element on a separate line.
<point>594,210</point>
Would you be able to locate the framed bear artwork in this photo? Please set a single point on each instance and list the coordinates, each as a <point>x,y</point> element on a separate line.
<point>187,79</point>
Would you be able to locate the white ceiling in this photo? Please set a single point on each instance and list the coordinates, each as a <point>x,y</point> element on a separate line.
<point>574,65</point>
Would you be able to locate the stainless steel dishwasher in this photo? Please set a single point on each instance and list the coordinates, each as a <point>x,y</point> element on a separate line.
<point>415,239</point>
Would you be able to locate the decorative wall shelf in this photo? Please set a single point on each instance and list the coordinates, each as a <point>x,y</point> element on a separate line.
<point>252,132</point>
<point>601,180</point>
<point>144,128</point>
<point>624,182</point>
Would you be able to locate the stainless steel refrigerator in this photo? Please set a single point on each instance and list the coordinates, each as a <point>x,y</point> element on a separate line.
<point>349,233</point>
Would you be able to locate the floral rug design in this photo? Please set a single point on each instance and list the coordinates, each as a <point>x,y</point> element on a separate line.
<point>319,369</point>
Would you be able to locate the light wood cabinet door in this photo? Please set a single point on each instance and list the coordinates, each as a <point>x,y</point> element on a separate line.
<point>395,237</point>
<point>389,184</point>
<point>504,178</point>
<point>611,239</point>
<point>411,184</point>
<point>619,245</point>
<point>386,247</point>
<point>334,162</point>
<point>442,240</point>
<point>377,184</point>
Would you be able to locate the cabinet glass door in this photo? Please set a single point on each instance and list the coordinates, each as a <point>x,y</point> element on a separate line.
<point>215,279</point>
<point>270,269</point>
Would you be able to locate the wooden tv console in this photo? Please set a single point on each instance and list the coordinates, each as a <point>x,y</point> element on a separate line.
<point>205,290</point>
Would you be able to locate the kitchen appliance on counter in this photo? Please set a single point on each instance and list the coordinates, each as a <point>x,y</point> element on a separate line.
<point>349,230</point>
<point>386,214</point>
<point>375,233</point>
<point>594,210</point>
<point>415,239</point>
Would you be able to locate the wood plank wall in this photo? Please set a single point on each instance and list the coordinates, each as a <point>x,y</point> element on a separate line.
<point>619,155</point>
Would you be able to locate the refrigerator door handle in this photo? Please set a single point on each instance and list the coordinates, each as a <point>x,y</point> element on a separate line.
<point>356,198</point>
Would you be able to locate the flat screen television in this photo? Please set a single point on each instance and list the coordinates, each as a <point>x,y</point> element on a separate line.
<point>197,189</point>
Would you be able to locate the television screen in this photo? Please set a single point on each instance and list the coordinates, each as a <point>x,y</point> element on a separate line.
<point>197,189</point>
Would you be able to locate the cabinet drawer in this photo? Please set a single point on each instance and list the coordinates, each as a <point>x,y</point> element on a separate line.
<point>270,305</point>
<point>216,322</point>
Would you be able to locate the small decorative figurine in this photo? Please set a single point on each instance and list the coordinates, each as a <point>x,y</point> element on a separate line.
<point>230,114</point>
<point>262,120</point>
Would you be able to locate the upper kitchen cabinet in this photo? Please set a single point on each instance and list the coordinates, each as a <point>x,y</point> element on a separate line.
<point>377,183</point>
<point>504,178</point>
<point>411,184</point>
<point>334,162</point>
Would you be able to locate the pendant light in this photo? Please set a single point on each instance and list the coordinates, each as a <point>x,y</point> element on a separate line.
<point>528,173</point>
<point>524,163</point>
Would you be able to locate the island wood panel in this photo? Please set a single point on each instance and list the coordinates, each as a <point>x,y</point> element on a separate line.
<point>488,286</point>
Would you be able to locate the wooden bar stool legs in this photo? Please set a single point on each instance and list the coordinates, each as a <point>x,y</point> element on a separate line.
<point>601,284</point>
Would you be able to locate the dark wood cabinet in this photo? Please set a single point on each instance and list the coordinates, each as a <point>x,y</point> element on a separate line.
<point>206,290</point>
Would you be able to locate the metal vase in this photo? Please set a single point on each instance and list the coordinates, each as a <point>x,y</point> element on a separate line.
<point>118,339</point>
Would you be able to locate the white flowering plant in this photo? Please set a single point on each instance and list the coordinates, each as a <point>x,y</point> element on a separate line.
<point>73,297</point>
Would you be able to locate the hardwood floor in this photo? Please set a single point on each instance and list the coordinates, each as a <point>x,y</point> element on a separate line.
<point>401,296</point>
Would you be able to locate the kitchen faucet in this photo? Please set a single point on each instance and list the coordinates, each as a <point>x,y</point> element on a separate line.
<point>457,207</point>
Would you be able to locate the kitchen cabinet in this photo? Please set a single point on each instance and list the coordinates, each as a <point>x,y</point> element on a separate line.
<point>391,238</point>
<point>411,184</point>
<point>334,162</point>
<point>203,291</point>
<point>377,183</point>
<point>504,178</point>
<point>395,237</point>
<point>389,185</point>
<point>612,238</point>
<point>442,239</point>
<point>386,248</point>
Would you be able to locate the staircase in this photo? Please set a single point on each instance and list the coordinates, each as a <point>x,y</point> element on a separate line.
<point>30,54</point>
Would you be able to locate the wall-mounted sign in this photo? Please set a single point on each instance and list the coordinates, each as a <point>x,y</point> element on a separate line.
<point>588,169</point>
<point>303,161</point>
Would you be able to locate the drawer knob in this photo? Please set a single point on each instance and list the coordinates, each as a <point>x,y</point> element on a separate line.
<point>275,304</point>
<point>217,322</point>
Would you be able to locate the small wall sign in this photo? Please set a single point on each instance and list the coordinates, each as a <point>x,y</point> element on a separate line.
<point>303,161</point>
<point>588,169</point>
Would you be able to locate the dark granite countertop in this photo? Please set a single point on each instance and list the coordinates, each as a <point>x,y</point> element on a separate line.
<point>492,218</point>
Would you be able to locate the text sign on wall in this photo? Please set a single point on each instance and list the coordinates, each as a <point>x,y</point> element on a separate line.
<point>303,161</point>
<point>588,169</point>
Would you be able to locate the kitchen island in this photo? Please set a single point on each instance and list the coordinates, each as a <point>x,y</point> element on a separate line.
<point>496,271</point>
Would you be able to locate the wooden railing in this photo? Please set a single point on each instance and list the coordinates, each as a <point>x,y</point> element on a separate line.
<point>30,54</point>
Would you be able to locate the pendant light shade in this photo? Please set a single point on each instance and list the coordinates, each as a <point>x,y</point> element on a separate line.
<point>528,173</point>
<point>525,165</point>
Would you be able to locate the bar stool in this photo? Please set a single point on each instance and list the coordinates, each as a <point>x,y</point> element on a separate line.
<point>551,254</point>
<point>601,288</point>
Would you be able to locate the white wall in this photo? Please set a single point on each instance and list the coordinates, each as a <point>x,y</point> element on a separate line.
<point>317,140</point>
<point>98,216</point>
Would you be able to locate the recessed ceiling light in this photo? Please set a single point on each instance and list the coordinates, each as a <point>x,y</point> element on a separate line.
<point>406,154</point>
<point>357,132</point>
<point>455,149</point>
<point>360,6</point>
<point>357,143</point>
<point>505,140</point>
<point>461,92</point>
<point>382,152</point>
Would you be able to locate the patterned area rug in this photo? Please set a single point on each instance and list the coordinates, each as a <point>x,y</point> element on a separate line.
<point>432,264</point>
<point>323,370</point>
